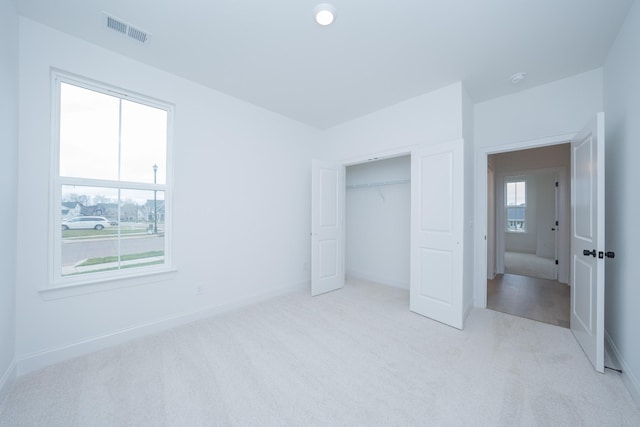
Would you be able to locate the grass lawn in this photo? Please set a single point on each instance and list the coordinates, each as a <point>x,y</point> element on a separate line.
<point>128,257</point>
<point>107,232</point>
<point>142,264</point>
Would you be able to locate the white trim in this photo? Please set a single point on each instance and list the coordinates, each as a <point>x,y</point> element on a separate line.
<point>7,380</point>
<point>628,377</point>
<point>40,359</point>
<point>482,154</point>
<point>381,155</point>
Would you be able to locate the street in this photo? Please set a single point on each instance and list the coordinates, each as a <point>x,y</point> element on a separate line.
<point>75,250</point>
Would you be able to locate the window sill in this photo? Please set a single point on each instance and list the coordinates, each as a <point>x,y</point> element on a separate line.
<point>61,289</point>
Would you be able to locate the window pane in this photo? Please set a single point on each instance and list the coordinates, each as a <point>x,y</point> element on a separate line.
<point>101,232</point>
<point>511,194</point>
<point>89,123</point>
<point>142,221</point>
<point>516,218</point>
<point>144,143</point>
<point>516,193</point>
<point>89,234</point>
<point>520,193</point>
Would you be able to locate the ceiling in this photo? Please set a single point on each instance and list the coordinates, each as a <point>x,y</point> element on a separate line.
<point>376,53</point>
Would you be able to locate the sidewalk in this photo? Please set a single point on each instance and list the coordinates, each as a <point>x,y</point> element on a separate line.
<point>110,237</point>
<point>72,269</point>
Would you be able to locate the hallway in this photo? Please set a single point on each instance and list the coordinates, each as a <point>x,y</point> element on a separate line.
<point>537,299</point>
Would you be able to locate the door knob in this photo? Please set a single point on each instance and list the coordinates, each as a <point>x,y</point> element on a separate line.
<point>601,254</point>
<point>587,253</point>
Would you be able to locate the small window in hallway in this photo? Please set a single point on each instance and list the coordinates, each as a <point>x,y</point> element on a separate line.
<point>516,205</point>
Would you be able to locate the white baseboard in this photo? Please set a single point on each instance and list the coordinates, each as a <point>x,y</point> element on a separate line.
<point>376,279</point>
<point>7,380</point>
<point>628,377</point>
<point>40,359</point>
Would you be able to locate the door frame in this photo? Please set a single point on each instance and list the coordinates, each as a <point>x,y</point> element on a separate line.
<point>480,238</point>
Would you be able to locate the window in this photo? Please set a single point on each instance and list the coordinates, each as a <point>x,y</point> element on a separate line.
<point>516,206</point>
<point>111,183</point>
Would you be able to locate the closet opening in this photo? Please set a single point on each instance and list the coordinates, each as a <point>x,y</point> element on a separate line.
<point>377,222</point>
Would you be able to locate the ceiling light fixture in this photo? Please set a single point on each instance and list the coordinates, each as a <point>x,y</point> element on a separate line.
<point>518,78</point>
<point>324,13</point>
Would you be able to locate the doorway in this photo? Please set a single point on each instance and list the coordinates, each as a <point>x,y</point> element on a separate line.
<point>528,208</point>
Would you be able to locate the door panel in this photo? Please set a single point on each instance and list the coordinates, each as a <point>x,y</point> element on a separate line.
<point>587,236</point>
<point>436,263</point>
<point>327,227</point>
<point>436,232</point>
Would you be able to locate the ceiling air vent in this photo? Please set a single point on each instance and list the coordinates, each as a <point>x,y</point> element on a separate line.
<point>125,29</point>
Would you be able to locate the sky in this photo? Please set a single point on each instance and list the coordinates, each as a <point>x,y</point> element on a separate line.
<point>104,137</point>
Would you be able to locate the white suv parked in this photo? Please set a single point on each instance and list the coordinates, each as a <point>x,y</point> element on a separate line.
<point>85,222</point>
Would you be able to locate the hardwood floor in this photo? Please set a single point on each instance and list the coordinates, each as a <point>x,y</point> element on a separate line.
<point>537,299</point>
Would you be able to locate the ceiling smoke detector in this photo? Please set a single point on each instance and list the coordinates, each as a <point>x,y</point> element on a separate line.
<point>325,14</point>
<point>518,78</point>
<point>124,28</point>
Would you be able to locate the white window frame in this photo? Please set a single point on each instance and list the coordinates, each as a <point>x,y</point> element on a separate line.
<point>512,180</point>
<point>57,280</point>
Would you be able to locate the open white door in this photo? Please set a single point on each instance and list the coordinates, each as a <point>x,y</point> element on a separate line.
<point>587,240</point>
<point>436,232</point>
<point>327,227</point>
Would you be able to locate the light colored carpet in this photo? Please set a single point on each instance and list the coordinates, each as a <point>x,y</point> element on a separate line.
<point>529,265</point>
<point>354,357</point>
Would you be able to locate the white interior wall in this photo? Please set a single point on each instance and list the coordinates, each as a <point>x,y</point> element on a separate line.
<point>8,189</point>
<point>427,119</point>
<point>241,226</point>
<point>557,108</point>
<point>622,109</point>
<point>377,221</point>
<point>545,215</point>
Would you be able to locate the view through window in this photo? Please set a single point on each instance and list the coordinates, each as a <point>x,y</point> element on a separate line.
<point>111,181</point>
<point>516,201</point>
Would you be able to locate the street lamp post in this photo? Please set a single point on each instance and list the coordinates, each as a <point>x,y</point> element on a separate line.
<point>155,201</point>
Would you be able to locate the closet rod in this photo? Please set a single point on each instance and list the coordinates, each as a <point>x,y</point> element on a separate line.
<point>379,184</point>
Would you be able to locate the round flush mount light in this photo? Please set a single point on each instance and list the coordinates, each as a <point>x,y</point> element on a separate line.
<point>325,13</point>
<point>518,78</point>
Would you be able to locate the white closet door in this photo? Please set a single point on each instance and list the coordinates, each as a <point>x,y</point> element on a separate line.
<point>327,227</point>
<point>436,282</point>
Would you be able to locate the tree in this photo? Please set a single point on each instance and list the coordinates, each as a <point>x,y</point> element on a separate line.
<point>80,198</point>
<point>101,199</point>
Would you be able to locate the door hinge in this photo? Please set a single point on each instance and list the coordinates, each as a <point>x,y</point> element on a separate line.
<point>556,183</point>
<point>556,262</point>
<point>557,223</point>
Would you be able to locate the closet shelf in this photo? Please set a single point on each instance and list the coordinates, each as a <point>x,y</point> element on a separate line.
<point>379,184</point>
